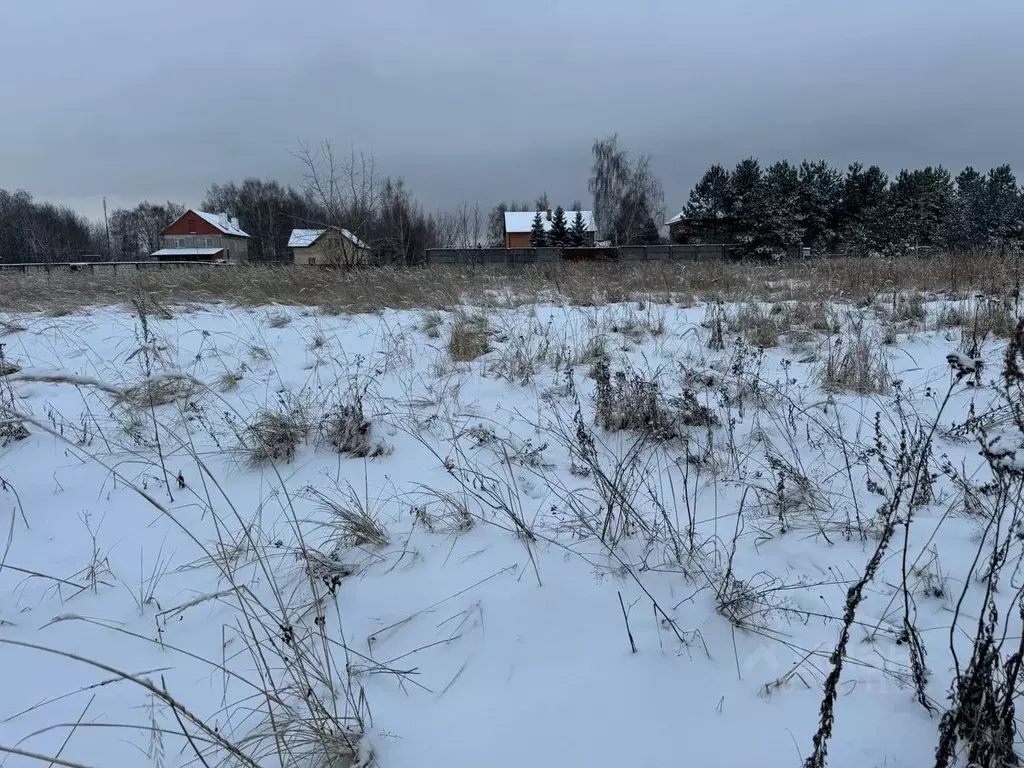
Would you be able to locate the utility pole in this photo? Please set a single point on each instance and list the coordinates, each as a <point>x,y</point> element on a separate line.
<point>106,224</point>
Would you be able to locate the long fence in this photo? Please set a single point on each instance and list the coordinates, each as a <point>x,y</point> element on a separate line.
<point>628,254</point>
<point>91,266</point>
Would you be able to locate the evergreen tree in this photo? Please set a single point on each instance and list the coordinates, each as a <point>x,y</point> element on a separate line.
<point>862,224</point>
<point>710,197</point>
<point>967,221</point>
<point>921,207</point>
<point>649,234</point>
<point>538,237</point>
<point>746,204</point>
<point>708,207</point>
<point>578,231</point>
<point>1002,209</point>
<point>818,204</point>
<point>559,234</point>
<point>778,226</point>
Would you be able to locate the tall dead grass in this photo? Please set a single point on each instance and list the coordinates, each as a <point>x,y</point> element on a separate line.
<point>363,290</point>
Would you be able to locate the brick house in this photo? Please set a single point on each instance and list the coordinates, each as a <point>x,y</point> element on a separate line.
<point>519,223</point>
<point>202,236</point>
<point>327,247</point>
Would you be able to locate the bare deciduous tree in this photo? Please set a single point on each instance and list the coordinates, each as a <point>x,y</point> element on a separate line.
<point>348,189</point>
<point>627,196</point>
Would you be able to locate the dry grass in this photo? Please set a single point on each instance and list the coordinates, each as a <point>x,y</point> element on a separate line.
<point>349,519</point>
<point>992,318</point>
<point>10,326</point>
<point>856,363</point>
<point>275,436</point>
<point>228,381</point>
<point>363,290</point>
<point>909,308</point>
<point>157,392</point>
<point>431,324</point>
<point>279,320</point>
<point>469,337</point>
<point>759,324</point>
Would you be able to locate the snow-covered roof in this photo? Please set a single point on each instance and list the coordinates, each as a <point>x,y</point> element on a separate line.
<point>221,221</point>
<point>184,252</point>
<point>522,221</point>
<point>681,216</point>
<point>303,238</point>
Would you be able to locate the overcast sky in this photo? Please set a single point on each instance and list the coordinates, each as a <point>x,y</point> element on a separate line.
<point>483,101</point>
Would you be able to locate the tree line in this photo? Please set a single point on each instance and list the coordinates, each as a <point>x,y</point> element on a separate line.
<point>765,211</point>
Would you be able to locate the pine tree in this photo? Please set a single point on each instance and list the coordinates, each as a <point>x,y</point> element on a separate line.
<point>746,204</point>
<point>538,237</point>
<point>559,234</point>
<point>709,198</point>
<point>967,222</point>
<point>1002,210</point>
<point>778,226</point>
<point>863,224</point>
<point>708,206</point>
<point>818,204</point>
<point>578,231</point>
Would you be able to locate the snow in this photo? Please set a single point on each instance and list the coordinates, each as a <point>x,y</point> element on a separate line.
<point>522,221</point>
<point>303,238</point>
<point>223,222</point>
<point>471,647</point>
<point>185,252</point>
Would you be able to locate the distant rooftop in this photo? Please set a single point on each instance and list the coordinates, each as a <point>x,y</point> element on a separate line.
<point>303,238</point>
<point>522,221</point>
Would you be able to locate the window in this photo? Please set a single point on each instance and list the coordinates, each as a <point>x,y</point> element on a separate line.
<point>191,226</point>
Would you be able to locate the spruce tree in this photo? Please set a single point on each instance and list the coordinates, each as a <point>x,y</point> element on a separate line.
<point>578,231</point>
<point>649,233</point>
<point>538,237</point>
<point>559,234</point>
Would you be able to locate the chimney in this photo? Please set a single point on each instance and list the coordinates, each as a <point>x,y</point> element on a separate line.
<point>225,220</point>
<point>549,214</point>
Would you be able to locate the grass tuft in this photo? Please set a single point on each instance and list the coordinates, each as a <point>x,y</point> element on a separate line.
<point>469,337</point>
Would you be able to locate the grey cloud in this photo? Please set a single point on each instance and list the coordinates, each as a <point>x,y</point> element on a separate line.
<point>485,101</point>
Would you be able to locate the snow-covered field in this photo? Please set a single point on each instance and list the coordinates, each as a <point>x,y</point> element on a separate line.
<point>609,536</point>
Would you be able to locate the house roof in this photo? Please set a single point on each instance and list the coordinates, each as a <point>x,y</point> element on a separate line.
<point>303,238</point>
<point>681,216</point>
<point>183,252</point>
<point>221,221</point>
<point>522,221</point>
